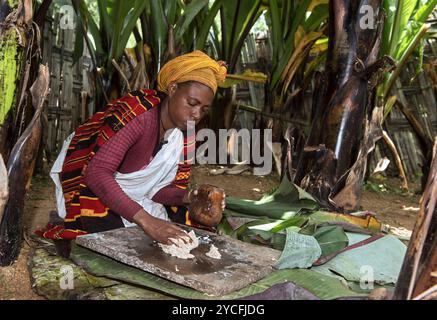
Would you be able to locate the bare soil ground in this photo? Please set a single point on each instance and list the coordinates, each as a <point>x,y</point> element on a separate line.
<point>392,207</point>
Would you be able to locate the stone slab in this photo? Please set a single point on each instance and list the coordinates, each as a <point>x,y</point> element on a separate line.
<point>241,264</point>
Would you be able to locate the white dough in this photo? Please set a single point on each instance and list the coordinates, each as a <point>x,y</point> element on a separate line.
<point>213,252</point>
<point>179,248</point>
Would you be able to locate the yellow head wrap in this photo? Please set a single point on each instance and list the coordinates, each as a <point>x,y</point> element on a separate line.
<point>193,66</point>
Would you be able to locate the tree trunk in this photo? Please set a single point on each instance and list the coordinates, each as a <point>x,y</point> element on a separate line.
<point>20,169</point>
<point>351,73</point>
<point>12,46</point>
<point>420,261</point>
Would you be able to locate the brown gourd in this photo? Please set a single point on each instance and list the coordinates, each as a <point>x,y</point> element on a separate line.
<point>205,207</point>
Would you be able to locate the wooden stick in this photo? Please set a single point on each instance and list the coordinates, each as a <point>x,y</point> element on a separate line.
<point>398,160</point>
<point>426,294</point>
<point>116,66</point>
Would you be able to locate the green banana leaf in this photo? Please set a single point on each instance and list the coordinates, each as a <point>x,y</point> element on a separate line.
<point>331,239</point>
<point>256,231</point>
<point>191,11</point>
<point>208,22</point>
<point>300,251</point>
<point>402,15</point>
<point>380,261</point>
<point>49,271</point>
<point>284,203</point>
<point>403,34</point>
<point>287,29</point>
<point>367,224</point>
<point>325,287</point>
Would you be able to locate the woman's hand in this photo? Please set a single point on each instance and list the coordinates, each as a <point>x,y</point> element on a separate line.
<point>158,229</point>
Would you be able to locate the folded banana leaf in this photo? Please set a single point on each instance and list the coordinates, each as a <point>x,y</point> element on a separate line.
<point>283,203</point>
<point>300,251</point>
<point>264,231</point>
<point>363,224</point>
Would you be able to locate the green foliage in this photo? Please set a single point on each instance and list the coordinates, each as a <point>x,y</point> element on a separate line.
<point>222,26</point>
<point>288,27</point>
<point>375,187</point>
<point>403,34</point>
<point>331,239</point>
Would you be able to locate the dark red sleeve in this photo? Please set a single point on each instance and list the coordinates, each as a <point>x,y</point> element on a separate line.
<point>99,175</point>
<point>170,196</point>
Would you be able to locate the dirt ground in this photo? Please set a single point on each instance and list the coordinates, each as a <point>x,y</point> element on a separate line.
<point>391,207</point>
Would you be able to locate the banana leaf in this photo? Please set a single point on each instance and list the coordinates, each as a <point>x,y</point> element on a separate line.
<point>296,222</point>
<point>239,19</point>
<point>208,22</point>
<point>284,203</point>
<point>324,287</point>
<point>247,75</point>
<point>403,33</point>
<point>159,30</point>
<point>191,11</point>
<point>170,10</point>
<point>128,24</point>
<point>367,223</point>
<point>331,239</point>
<point>257,231</point>
<point>402,15</point>
<point>379,261</point>
<point>49,271</point>
<point>288,30</point>
<point>300,251</point>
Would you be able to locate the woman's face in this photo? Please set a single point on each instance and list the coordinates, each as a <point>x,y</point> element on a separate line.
<point>188,102</point>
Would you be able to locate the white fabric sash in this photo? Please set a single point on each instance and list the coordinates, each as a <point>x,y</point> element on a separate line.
<point>140,185</point>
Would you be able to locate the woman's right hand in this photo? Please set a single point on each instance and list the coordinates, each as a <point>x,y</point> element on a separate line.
<point>158,229</point>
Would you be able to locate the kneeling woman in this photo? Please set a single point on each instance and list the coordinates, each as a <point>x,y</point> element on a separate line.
<point>123,166</point>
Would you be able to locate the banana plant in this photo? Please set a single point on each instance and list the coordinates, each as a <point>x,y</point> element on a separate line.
<point>404,31</point>
<point>159,28</point>
<point>224,29</point>
<point>117,22</point>
<point>171,27</point>
<point>236,18</point>
<point>297,29</point>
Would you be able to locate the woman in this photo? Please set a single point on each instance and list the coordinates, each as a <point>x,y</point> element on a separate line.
<point>123,167</point>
